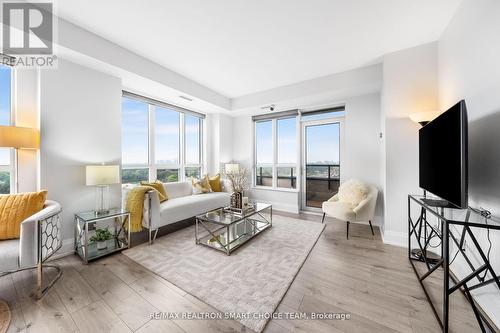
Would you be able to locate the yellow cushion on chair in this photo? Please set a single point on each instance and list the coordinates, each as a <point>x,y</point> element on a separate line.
<point>15,208</point>
<point>215,183</point>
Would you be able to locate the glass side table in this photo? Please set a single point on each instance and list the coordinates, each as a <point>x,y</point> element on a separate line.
<point>86,224</point>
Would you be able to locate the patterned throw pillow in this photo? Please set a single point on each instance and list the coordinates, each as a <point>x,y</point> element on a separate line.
<point>201,185</point>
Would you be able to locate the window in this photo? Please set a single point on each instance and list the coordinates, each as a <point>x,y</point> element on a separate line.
<point>167,136</point>
<point>193,139</point>
<point>6,174</point>
<point>276,153</point>
<point>159,141</point>
<point>135,132</point>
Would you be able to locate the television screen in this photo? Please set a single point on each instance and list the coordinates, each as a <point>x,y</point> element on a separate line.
<point>443,156</point>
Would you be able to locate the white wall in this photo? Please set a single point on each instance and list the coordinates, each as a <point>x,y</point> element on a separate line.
<point>362,144</point>
<point>469,51</point>
<point>360,157</point>
<point>409,85</point>
<point>220,141</point>
<point>27,114</point>
<point>81,125</point>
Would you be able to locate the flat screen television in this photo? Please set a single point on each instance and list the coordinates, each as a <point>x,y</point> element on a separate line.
<point>443,159</point>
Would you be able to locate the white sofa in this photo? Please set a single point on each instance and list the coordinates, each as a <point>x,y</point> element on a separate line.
<point>182,204</point>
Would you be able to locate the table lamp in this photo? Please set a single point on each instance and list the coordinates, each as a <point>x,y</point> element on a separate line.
<point>232,168</point>
<point>101,176</point>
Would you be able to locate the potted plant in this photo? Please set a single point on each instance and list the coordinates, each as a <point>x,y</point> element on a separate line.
<point>101,237</point>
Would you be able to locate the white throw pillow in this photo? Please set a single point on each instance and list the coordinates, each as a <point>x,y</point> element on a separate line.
<point>353,192</point>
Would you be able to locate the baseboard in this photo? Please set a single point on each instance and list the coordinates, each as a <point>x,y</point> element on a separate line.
<point>285,208</point>
<point>396,238</point>
<point>66,249</point>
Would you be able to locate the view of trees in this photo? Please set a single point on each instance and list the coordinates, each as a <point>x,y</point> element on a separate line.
<point>134,176</point>
<point>167,175</point>
<point>4,182</point>
<point>192,172</point>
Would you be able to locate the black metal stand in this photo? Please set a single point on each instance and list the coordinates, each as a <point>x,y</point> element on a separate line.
<point>423,231</point>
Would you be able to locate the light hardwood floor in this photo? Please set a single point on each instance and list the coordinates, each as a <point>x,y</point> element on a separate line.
<point>371,281</point>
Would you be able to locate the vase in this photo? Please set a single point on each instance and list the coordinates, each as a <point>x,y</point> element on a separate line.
<point>102,245</point>
<point>236,200</point>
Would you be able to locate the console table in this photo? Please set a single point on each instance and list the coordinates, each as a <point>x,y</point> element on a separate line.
<point>431,222</point>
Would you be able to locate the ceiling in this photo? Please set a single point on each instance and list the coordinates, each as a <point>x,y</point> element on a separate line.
<point>239,47</point>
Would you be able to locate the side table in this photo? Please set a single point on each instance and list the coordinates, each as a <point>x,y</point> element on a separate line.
<point>86,224</point>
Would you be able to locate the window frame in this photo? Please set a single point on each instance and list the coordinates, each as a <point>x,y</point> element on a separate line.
<point>12,166</point>
<point>152,166</point>
<point>275,164</point>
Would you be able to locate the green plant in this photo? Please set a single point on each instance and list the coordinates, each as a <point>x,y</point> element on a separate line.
<point>101,235</point>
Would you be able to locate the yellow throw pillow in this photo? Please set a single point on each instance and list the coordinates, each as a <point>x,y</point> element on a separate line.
<point>15,208</point>
<point>201,185</point>
<point>157,185</point>
<point>215,183</point>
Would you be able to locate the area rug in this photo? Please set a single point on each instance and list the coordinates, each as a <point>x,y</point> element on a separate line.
<point>5,316</point>
<point>252,280</point>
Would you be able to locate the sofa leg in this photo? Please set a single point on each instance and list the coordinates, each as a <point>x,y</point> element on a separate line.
<point>151,237</point>
<point>323,219</point>
<point>371,227</point>
<point>347,229</point>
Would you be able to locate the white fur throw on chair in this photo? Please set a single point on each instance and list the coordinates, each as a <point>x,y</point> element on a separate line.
<point>355,202</point>
<point>353,192</point>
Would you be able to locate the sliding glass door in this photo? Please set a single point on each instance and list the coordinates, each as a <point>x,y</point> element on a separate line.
<point>321,146</point>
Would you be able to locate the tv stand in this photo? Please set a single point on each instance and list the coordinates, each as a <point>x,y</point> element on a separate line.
<point>440,203</point>
<point>451,228</point>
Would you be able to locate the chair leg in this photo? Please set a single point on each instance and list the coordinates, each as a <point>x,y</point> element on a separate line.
<point>40,291</point>
<point>347,229</point>
<point>323,219</point>
<point>371,227</point>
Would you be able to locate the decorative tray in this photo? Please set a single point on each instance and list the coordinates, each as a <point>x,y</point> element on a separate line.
<point>239,211</point>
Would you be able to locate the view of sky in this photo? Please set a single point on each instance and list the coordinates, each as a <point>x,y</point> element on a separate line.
<point>134,132</point>
<point>192,132</point>
<point>5,74</point>
<point>167,134</point>
<point>287,140</point>
<point>264,141</point>
<point>323,144</point>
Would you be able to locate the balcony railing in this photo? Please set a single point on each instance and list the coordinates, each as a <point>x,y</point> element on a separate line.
<point>322,181</point>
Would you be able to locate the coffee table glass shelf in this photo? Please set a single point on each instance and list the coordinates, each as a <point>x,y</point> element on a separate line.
<point>86,224</point>
<point>226,231</point>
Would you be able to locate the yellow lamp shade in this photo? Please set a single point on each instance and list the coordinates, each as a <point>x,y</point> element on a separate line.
<point>424,117</point>
<point>102,174</point>
<point>19,137</point>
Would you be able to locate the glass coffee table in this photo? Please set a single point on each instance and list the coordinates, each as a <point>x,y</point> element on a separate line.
<point>226,231</point>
